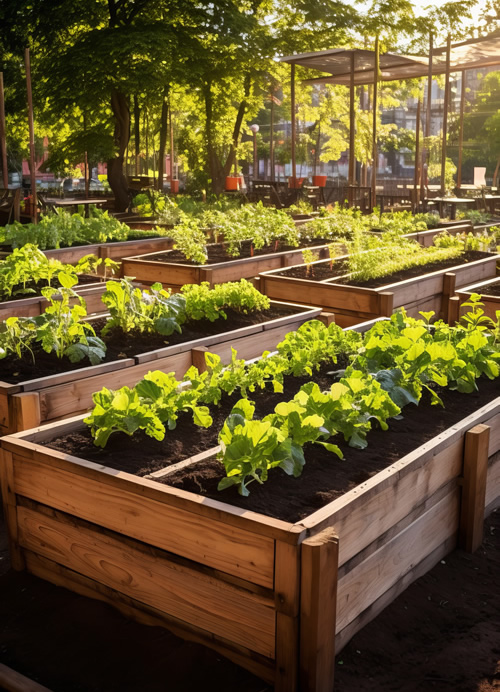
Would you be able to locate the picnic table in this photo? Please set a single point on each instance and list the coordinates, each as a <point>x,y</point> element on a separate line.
<point>54,203</point>
<point>453,203</point>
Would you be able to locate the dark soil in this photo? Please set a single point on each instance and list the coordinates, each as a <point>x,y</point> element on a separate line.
<point>324,477</point>
<point>323,271</point>
<point>120,345</point>
<point>217,252</point>
<point>442,634</point>
<point>491,290</point>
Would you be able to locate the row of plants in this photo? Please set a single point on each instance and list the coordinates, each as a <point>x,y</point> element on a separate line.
<point>62,329</point>
<point>373,256</point>
<point>26,270</point>
<point>61,229</point>
<point>390,367</point>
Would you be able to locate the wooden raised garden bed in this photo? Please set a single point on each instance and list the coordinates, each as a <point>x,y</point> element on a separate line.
<point>35,305</point>
<point>278,598</point>
<point>115,251</point>
<point>174,275</point>
<point>491,302</point>
<point>353,304</point>
<point>33,402</point>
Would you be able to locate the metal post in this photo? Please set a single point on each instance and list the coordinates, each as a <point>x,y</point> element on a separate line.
<point>426,154</point>
<point>85,158</point>
<point>461,132</point>
<point>31,127</point>
<point>445,114</point>
<point>255,162</point>
<point>374,133</point>
<point>352,126</point>
<point>172,152</point>
<point>271,137</point>
<point>417,154</point>
<point>3,140</point>
<point>292,107</point>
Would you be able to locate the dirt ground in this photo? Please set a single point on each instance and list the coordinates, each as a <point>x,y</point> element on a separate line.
<point>442,633</point>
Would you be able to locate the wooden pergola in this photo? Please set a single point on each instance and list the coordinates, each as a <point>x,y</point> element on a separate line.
<point>360,67</point>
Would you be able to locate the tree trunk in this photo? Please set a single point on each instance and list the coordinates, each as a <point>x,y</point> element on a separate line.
<point>163,139</point>
<point>116,179</point>
<point>219,171</point>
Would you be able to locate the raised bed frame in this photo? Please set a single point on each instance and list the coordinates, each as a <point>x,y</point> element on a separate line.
<point>115,251</point>
<point>33,402</point>
<point>277,598</point>
<point>35,305</point>
<point>491,304</point>
<point>352,304</point>
<point>174,275</point>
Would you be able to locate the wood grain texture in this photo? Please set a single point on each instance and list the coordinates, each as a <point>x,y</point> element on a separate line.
<point>370,510</point>
<point>381,570</point>
<point>51,571</point>
<point>287,653</point>
<point>24,446</point>
<point>12,681</point>
<point>371,612</point>
<point>319,563</point>
<point>24,411</point>
<point>474,488</point>
<point>492,499</point>
<point>213,605</point>
<point>8,494</point>
<point>229,549</point>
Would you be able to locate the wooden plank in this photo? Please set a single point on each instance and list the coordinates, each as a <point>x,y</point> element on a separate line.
<point>61,576</point>
<point>408,464</point>
<point>81,373</point>
<point>184,593</point>
<point>492,500</point>
<point>370,579</point>
<point>287,578</point>
<point>474,488</point>
<point>334,297</point>
<point>73,397</point>
<point>7,488</point>
<point>318,611</point>
<point>12,681</point>
<point>287,639</point>
<point>375,507</point>
<point>27,449</point>
<point>198,358</point>
<point>229,549</point>
<point>25,411</point>
<point>347,633</point>
<point>142,270</point>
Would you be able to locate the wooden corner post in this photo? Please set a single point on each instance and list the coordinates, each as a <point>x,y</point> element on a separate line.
<point>287,598</point>
<point>474,487</point>
<point>10,508</point>
<point>318,611</point>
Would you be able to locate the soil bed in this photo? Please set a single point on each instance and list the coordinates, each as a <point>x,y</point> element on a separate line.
<point>217,252</point>
<point>324,477</point>
<point>321,272</point>
<point>491,290</point>
<point>119,345</point>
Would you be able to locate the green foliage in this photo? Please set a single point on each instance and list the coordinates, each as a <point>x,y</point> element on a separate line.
<point>59,329</point>
<point>61,229</point>
<point>371,257</point>
<point>134,309</point>
<point>203,302</point>
<point>152,404</point>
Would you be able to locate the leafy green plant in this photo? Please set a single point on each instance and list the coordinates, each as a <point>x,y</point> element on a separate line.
<point>153,310</point>
<point>203,302</point>
<point>153,405</point>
